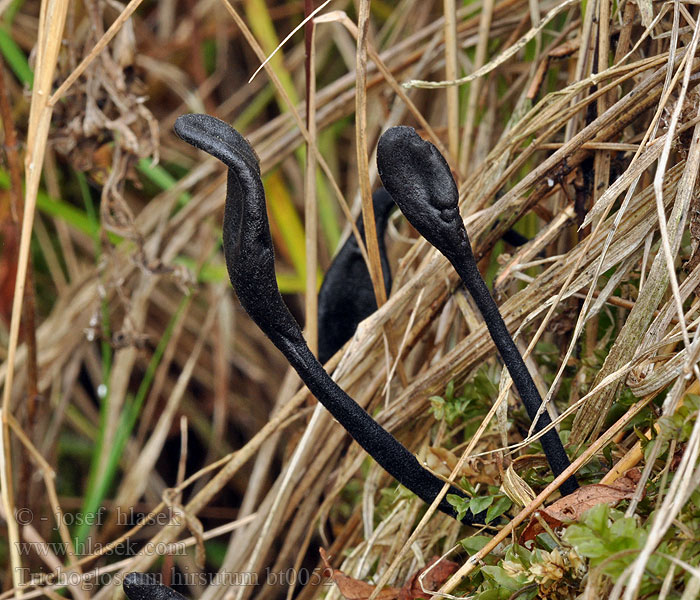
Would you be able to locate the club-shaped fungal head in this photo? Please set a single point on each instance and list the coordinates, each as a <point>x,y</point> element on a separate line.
<point>420,181</point>
<point>216,138</point>
<point>247,243</point>
<point>145,586</point>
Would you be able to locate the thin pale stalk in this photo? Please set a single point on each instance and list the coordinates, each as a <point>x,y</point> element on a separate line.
<point>452,93</point>
<point>310,203</point>
<point>659,184</point>
<point>28,308</point>
<point>375,266</point>
<point>49,476</point>
<point>51,21</point>
<point>485,19</point>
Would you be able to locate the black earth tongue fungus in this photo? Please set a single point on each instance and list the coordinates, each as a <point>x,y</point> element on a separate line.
<point>514,238</point>
<point>145,586</point>
<point>250,262</point>
<point>347,297</point>
<point>419,180</point>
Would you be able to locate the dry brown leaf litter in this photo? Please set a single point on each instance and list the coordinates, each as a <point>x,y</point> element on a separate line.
<point>538,162</point>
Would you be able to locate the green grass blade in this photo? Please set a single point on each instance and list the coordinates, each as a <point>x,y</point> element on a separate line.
<point>284,213</point>
<point>101,482</point>
<point>15,58</point>
<point>164,180</point>
<point>263,27</point>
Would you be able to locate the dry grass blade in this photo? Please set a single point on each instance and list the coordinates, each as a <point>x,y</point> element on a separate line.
<point>579,130</point>
<point>310,200</point>
<point>375,265</point>
<point>474,92</point>
<point>452,93</point>
<point>501,58</point>
<point>53,14</point>
<point>424,520</point>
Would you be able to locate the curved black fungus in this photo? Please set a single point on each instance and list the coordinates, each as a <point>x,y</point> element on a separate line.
<point>145,586</point>
<point>250,262</point>
<point>420,182</point>
<point>347,297</point>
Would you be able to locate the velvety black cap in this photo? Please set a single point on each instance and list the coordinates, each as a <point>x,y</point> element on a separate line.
<point>217,138</point>
<point>420,181</point>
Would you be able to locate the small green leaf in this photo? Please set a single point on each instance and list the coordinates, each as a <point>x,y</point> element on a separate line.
<point>586,542</point>
<point>474,543</point>
<point>625,528</point>
<point>461,505</point>
<point>480,503</point>
<point>467,486</point>
<point>597,518</point>
<point>503,579</point>
<point>450,390</point>
<point>518,553</point>
<point>501,505</point>
<point>692,402</point>
<point>437,407</point>
<point>607,453</point>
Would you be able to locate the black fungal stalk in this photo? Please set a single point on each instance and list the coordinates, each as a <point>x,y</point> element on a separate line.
<point>347,296</point>
<point>145,586</point>
<point>250,262</point>
<point>514,238</point>
<point>420,182</point>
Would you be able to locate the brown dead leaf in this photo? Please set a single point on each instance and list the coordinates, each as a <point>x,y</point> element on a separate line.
<point>436,572</point>
<point>440,460</point>
<point>628,482</point>
<point>534,527</point>
<point>571,507</point>
<point>516,488</point>
<point>435,576</point>
<point>354,589</point>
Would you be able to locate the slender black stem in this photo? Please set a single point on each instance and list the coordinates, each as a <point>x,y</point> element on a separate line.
<point>421,183</point>
<point>556,455</point>
<point>250,262</point>
<point>145,586</point>
<point>514,238</point>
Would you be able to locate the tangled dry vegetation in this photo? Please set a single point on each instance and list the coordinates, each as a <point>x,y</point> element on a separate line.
<point>142,387</point>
